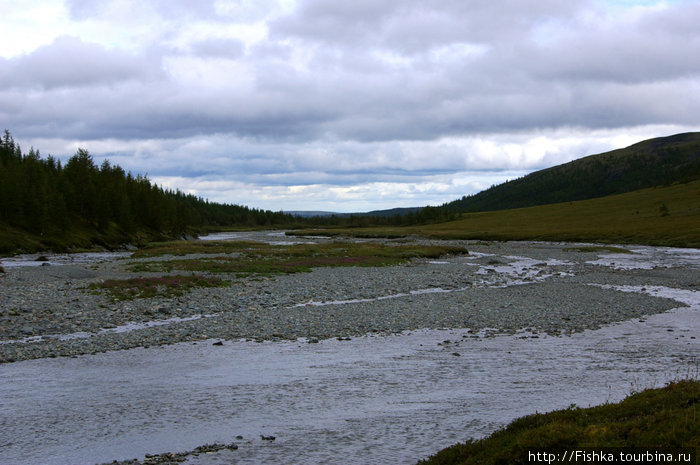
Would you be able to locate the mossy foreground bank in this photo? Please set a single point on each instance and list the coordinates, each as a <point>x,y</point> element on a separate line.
<point>665,420</point>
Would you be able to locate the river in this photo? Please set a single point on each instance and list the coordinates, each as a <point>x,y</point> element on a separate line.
<point>374,399</point>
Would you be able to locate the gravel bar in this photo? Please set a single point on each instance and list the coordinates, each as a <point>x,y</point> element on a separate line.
<point>500,287</point>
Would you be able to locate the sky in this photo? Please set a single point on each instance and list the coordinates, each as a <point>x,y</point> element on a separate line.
<point>344,106</point>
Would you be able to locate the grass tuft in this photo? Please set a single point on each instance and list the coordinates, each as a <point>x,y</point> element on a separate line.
<point>164,286</point>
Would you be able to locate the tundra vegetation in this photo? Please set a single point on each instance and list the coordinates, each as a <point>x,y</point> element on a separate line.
<point>253,258</point>
<point>662,419</point>
<point>161,286</point>
<point>244,258</point>
<point>630,218</point>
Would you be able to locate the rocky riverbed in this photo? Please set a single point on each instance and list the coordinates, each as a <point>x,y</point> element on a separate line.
<point>338,364</point>
<point>555,288</point>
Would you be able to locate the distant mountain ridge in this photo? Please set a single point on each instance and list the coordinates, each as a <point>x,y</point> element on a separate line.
<point>312,213</point>
<point>379,213</point>
<point>395,211</point>
<point>654,162</point>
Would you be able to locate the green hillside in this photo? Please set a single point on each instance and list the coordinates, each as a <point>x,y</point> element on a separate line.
<point>651,163</point>
<point>667,216</point>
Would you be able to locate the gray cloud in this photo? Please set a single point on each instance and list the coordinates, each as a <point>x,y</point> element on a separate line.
<point>70,63</point>
<point>415,25</point>
<point>83,9</point>
<point>351,92</point>
<point>657,47</point>
<point>218,48</point>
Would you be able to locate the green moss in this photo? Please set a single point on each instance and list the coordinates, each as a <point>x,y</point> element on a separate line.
<point>668,417</point>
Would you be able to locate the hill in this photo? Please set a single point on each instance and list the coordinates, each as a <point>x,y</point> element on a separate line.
<point>665,216</point>
<point>401,211</point>
<point>378,213</point>
<point>655,162</point>
<point>668,216</point>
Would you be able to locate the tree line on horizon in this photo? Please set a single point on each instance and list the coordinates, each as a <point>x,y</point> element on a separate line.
<point>44,197</point>
<point>47,198</point>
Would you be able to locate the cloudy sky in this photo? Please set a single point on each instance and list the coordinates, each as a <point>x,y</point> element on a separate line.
<point>345,106</point>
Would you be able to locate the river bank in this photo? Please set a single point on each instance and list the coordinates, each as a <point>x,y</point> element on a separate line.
<point>553,288</point>
<point>373,399</point>
<point>350,365</point>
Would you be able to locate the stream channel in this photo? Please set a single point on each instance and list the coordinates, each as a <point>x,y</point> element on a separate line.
<point>373,399</point>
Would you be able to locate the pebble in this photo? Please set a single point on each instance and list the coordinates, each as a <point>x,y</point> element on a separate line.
<point>170,458</point>
<point>476,291</point>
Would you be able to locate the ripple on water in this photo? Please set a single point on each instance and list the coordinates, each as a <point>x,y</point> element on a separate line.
<point>395,399</point>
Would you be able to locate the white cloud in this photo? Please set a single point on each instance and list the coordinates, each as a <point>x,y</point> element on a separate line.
<point>337,105</point>
<point>30,25</point>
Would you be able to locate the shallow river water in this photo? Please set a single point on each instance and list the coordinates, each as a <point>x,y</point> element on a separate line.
<point>381,399</point>
<point>374,399</point>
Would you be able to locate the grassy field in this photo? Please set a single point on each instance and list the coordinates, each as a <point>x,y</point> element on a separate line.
<point>656,419</point>
<point>668,216</point>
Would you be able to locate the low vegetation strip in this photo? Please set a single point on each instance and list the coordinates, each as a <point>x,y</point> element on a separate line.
<point>664,419</point>
<point>164,286</point>
<point>246,258</point>
<point>179,248</point>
